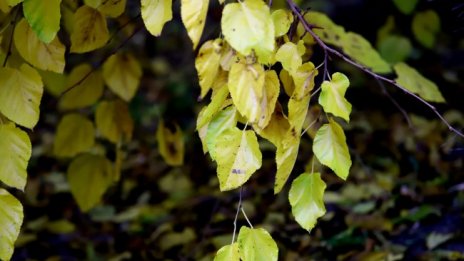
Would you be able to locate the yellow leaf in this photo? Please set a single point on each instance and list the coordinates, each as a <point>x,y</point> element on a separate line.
<point>193,13</point>
<point>10,223</point>
<point>331,149</point>
<point>112,8</point>
<point>217,102</point>
<point>170,144</point>
<point>287,82</point>
<point>276,129</point>
<point>282,20</point>
<point>228,253</point>
<point>207,64</point>
<point>155,14</point>
<point>412,80</point>
<point>238,157</point>
<point>87,87</point>
<point>246,86</point>
<point>122,74</point>
<point>114,121</point>
<point>287,152</point>
<point>43,56</point>
<point>89,176</point>
<point>55,83</point>
<point>15,152</point>
<point>248,26</point>
<point>4,7</point>
<point>90,30</point>
<point>268,102</point>
<point>93,3</point>
<point>332,97</point>
<point>224,120</point>
<point>44,18</point>
<point>256,244</point>
<point>20,94</point>
<point>289,57</point>
<point>74,134</point>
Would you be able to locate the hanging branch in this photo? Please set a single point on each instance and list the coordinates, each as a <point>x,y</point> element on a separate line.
<point>329,50</point>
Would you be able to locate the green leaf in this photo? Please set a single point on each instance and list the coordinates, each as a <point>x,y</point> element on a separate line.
<point>207,114</point>
<point>326,29</point>
<point>44,18</point>
<point>246,86</point>
<point>20,94</point>
<point>306,197</point>
<point>193,13</point>
<point>282,20</point>
<point>90,30</point>
<point>412,80</point>
<point>406,6</point>
<point>332,97</point>
<point>15,152</point>
<point>248,26</point>
<point>256,244</point>
<point>224,120</point>
<point>114,121</point>
<point>89,176</point>
<point>425,27</point>
<point>289,57</point>
<point>228,253</point>
<point>74,134</point>
<point>207,64</point>
<point>394,48</point>
<point>331,149</point>
<point>11,218</point>
<point>122,74</point>
<point>238,157</point>
<point>155,14</point>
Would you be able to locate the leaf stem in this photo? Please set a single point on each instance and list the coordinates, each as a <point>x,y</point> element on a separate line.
<point>236,215</point>
<point>246,217</point>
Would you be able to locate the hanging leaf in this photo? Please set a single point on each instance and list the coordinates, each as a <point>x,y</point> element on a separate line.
<point>112,8</point>
<point>237,156</point>
<point>412,80</point>
<point>44,18</point>
<point>277,127</point>
<point>256,244</point>
<point>20,94</point>
<point>246,86</point>
<point>122,74</point>
<point>15,152</point>
<point>170,144</point>
<point>155,14</point>
<point>282,20</point>
<point>406,7</point>
<point>86,88</point>
<point>74,134</point>
<point>217,102</point>
<point>331,149</point>
<point>207,64</point>
<point>425,27</point>
<point>226,119</point>
<point>228,253</point>
<point>89,176</point>
<point>306,197</point>
<point>41,55</point>
<point>287,152</point>
<point>11,219</point>
<point>332,97</point>
<point>90,30</point>
<point>289,57</point>
<point>193,13</point>
<point>114,121</point>
<point>271,93</point>
<point>303,79</point>
<point>248,26</point>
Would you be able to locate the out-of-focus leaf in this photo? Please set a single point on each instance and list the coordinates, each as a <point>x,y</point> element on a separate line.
<point>114,121</point>
<point>74,134</point>
<point>406,7</point>
<point>425,27</point>
<point>395,48</point>
<point>122,74</point>
<point>90,30</point>
<point>170,144</point>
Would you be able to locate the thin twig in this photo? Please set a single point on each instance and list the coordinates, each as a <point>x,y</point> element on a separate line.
<point>397,105</point>
<point>311,124</point>
<point>10,41</point>
<point>246,217</point>
<point>330,50</point>
<point>236,215</point>
<point>270,3</point>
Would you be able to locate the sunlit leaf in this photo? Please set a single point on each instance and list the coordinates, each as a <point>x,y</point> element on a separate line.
<point>306,198</point>
<point>74,134</point>
<point>89,176</point>
<point>86,88</point>
<point>289,57</point>
<point>282,20</point>
<point>15,152</point>
<point>425,27</point>
<point>11,218</point>
<point>406,7</point>
<point>90,30</point>
<point>155,14</point>
<point>170,144</point>
<point>332,97</point>
<point>224,120</point>
<point>412,80</point>
<point>271,93</point>
<point>207,64</point>
<point>331,149</point>
<point>41,55</point>
<point>193,13</point>
<point>237,156</point>
<point>112,8</point>
<point>256,244</point>
<point>44,18</point>
<point>122,74</point>
<point>248,26</point>
<point>228,253</point>
<point>20,94</point>
<point>246,86</point>
<point>114,121</point>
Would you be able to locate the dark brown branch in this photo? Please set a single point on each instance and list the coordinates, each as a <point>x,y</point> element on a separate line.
<point>10,41</point>
<point>329,50</point>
